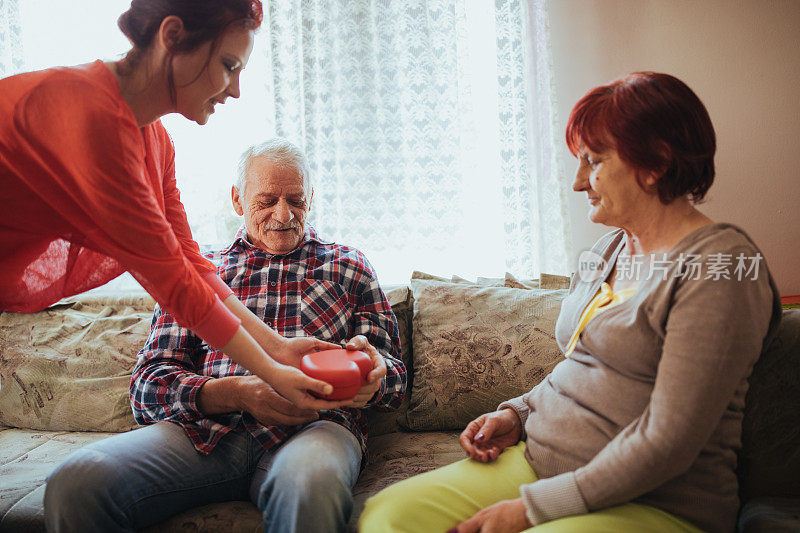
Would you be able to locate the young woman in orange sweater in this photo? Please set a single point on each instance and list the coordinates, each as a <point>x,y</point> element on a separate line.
<point>87,180</point>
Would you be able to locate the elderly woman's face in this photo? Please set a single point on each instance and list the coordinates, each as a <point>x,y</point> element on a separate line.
<point>610,185</point>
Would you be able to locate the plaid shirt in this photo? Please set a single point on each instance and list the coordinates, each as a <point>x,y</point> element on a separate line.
<point>321,289</point>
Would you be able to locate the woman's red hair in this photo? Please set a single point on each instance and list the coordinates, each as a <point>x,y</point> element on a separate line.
<point>656,124</point>
<point>203,20</point>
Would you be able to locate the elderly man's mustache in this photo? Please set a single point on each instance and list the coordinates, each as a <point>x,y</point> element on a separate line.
<point>275,226</point>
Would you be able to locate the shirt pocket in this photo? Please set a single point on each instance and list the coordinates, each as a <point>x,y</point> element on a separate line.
<point>325,310</point>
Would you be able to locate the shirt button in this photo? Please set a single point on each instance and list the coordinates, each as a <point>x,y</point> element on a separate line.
<point>272,283</point>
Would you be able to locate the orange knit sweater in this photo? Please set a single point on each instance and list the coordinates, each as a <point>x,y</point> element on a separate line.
<point>87,195</point>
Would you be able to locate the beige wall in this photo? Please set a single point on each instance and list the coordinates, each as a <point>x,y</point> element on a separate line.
<point>743,59</point>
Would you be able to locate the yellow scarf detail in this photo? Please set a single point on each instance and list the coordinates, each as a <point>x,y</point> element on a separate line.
<point>604,299</point>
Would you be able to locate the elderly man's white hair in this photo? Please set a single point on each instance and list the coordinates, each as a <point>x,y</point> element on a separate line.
<point>280,151</point>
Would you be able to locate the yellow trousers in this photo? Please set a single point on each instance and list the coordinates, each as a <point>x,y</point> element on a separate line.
<point>439,500</point>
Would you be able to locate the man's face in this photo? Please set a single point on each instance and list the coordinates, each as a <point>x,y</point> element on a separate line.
<point>274,205</point>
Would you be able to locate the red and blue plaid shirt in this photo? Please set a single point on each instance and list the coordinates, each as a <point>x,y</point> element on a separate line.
<point>321,289</point>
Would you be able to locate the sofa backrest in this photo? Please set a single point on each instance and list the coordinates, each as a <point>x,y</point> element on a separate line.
<point>68,368</point>
<point>769,463</point>
<point>468,345</point>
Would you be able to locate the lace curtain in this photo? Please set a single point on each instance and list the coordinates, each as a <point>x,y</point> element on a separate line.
<point>428,125</point>
<point>11,59</point>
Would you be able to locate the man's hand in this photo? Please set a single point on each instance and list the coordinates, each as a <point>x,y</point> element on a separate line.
<point>290,350</point>
<point>488,435</point>
<point>507,516</point>
<point>258,398</point>
<point>378,372</point>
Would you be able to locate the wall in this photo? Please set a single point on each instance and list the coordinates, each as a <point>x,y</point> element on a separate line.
<point>743,59</point>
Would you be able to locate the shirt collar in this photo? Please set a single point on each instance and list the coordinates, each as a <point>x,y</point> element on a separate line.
<point>241,240</point>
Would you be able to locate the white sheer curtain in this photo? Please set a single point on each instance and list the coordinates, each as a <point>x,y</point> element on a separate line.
<point>431,145</point>
<point>428,124</point>
<point>10,38</point>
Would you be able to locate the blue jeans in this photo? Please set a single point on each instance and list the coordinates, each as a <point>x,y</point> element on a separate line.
<point>136,479</point>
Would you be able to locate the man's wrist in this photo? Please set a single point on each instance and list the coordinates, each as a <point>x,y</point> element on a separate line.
<point>220,395</point>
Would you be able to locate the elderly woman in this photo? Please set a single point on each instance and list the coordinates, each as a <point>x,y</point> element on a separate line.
<point>637,428</point>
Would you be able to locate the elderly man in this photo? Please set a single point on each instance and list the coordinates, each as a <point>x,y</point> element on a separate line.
<point>216,433</point>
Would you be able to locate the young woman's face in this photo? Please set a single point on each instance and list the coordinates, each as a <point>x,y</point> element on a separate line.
<point>202,83</point>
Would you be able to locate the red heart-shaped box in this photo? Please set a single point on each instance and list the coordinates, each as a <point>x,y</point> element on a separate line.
<point>346,370</point>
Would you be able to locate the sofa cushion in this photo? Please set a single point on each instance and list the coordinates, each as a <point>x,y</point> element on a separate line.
<point>769,462</point>
<point>379,422</point>
<point>26,459</point>
<point>476,346</point>
<point>222,517</point>
<point>545,281</point>
<point>396,456</point>
<point>68,368</point>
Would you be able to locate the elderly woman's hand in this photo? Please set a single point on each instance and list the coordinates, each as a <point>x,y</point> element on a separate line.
<point>488,435</point>
<point>507,516</point>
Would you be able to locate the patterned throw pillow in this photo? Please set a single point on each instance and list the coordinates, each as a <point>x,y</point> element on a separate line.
<point>68,368</point>
<point>475,346</point>
<point>380,422</point>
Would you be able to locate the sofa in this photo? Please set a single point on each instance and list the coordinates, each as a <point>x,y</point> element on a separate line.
<point>65,371</point>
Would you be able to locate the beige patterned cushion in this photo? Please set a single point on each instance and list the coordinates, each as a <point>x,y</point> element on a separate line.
<point>554,281</point>
<point>380,423</point>
<point>475,346</point>
<point>68,368</point>
<point>397,456</point>
<point>547,281</point>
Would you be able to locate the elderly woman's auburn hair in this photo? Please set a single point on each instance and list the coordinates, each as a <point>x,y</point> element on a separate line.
<point>657,124</point>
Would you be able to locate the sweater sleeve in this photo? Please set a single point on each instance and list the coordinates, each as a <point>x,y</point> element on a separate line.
<point>80,151</point>
<point>522,407</point>
<point>709,347</point>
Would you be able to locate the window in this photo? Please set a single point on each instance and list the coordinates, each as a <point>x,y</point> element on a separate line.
<point>427,125</point>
